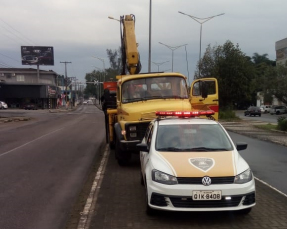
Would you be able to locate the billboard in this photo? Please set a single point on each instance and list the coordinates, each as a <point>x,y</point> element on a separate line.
<point>37,55</point>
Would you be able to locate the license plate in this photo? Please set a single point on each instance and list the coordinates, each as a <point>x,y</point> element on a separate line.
<point>206,195</point>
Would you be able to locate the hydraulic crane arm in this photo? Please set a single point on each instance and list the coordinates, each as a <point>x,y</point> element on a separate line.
<point>130,55</point>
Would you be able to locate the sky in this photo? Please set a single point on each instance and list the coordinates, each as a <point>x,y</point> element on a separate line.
<point>80,30</point>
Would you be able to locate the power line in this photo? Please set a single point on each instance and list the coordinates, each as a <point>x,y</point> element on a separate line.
<point>5,65</point>
<point>9,57</point>
<point>27,39</point>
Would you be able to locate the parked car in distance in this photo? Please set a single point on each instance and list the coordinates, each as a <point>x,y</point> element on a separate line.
<point>252,111</point>
<point>278,110</point>
<point>30,106</point>
<point>3,105</point>
<point>265,108</point>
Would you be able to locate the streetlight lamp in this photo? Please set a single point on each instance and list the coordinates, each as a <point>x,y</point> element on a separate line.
<point>200,21</point>
<point>101,59</point>
<point>114,18</point>
<point>158,64</point>
<point>172,49</point>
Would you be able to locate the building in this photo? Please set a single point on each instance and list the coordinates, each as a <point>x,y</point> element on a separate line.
<point>20,86</point>
<point>281,51</point>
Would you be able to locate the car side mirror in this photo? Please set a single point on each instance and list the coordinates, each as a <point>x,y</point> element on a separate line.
<point>142,147</point>
<point>241,146</point>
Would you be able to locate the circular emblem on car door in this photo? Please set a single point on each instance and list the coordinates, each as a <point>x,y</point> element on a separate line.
<point>206,181</point>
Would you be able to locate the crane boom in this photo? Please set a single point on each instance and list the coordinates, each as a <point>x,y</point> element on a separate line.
<point>130,54</point>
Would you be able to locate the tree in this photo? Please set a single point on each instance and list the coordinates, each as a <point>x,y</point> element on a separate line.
<point>259,59</point>
<point>234,71</point>
<point>115,64</point>
<point>279,83</point>
<point>91,89</point>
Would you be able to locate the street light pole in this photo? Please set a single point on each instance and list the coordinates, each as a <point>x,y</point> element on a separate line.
<point>200,21</point>
<point>101,59</point>
<point>158,64</point>
<point>98,84</point>
<point>66,62</point>
<point>172,49</point>
<point>149,49</point>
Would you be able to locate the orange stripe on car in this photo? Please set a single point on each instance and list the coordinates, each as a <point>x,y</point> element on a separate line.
<point>199,164</point>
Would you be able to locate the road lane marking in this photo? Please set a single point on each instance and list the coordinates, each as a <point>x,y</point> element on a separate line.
<point>86,215</point>
<point>27,143</point>
<point>263,182</point>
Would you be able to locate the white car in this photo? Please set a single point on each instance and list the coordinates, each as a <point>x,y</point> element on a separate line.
<point>265,108</point>
<point>191,164</point>
<point>3,105</point>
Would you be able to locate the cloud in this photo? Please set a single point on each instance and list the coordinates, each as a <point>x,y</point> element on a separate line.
<point>80,29</point>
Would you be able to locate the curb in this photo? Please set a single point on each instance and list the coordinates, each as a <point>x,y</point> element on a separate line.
<point>14,119</point>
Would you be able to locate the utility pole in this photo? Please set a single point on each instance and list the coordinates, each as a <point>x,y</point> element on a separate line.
<point>66,83</point>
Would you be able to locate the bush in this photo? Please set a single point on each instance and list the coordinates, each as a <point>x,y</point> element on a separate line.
<point>227,115</point>
<point>282,123</point>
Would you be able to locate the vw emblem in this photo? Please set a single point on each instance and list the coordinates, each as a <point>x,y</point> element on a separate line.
<point>206,181</point>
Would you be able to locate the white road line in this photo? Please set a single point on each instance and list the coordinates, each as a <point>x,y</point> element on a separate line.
<point>30,142</point>
<point>263,182</point>
<point>86,215</point>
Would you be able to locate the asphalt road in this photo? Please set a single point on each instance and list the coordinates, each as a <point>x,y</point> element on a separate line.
<point>265,117</point>
<point>268,161</point>
<point>44,163</point>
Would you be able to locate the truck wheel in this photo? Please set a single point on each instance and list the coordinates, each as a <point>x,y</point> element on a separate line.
<point>123,157</point>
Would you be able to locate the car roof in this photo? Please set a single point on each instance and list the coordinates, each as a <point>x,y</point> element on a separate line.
<point>180,121</point>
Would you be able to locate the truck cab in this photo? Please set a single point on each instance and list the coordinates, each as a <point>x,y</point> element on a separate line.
<point>140,96</point>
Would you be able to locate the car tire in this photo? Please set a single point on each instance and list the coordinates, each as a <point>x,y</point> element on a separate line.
<point>142,180</point>
<point>277,112</point>
<point>149,211</point>
<point>245,211</point>
<point>259,115</point>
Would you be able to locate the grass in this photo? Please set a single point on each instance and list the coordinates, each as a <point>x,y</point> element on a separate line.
<point>267,127</point>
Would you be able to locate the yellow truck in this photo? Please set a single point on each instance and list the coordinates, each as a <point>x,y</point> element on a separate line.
<point>139,96</point>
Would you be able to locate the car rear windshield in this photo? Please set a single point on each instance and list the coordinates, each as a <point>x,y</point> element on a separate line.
<point>192,137</point>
